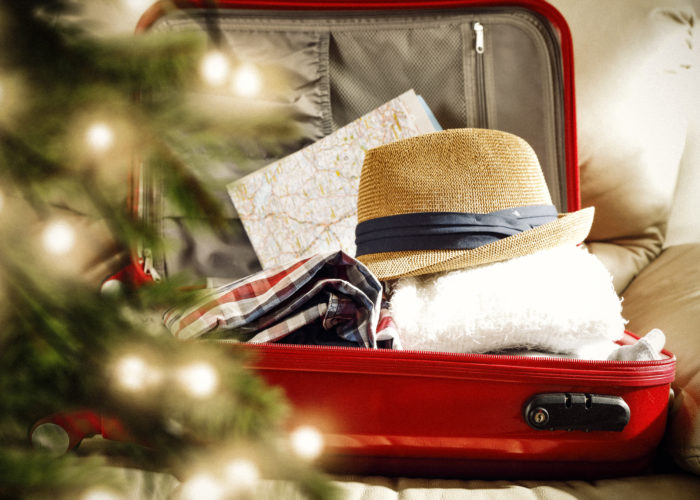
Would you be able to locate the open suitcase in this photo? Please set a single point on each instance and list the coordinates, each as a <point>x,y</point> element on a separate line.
<point>504,64</point>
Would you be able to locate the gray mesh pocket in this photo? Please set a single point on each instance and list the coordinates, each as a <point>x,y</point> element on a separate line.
<point>369,68</point>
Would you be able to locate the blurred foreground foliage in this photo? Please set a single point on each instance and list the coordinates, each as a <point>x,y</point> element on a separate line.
<point>62,342</point>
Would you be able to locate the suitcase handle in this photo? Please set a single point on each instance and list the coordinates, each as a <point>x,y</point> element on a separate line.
<point>576,412</point>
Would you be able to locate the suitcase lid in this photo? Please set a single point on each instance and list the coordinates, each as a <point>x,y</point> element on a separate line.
<point>347,58</point>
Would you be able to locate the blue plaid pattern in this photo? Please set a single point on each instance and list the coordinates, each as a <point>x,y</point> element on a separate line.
<point>334,289</point>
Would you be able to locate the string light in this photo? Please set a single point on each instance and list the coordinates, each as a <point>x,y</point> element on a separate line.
<point>242,474</point>
<point>99,137</point>
<point>306,442</point>
<point>138,5</point>
<point>134,374</point>
<point>200,380</point>
<point>202,486</point>
<point>215,68</point>
<point>100,494</point>
<point>247,81</point>
<point>58,238</point>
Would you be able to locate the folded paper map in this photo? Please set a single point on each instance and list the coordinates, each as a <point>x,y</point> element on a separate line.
<point>306,202</point>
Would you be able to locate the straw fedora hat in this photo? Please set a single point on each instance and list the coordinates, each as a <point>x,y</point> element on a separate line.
<point>456,199</point>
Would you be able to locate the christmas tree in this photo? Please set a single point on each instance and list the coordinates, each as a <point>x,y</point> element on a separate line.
<point>75,113</point>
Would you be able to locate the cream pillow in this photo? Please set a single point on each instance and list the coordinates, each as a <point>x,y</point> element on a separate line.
<point>635,62</point>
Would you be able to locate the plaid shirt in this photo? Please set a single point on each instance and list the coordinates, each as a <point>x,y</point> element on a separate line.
<point>332,290</point>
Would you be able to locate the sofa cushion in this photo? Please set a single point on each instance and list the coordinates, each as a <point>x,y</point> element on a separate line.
<point>634,65</point>
<point>161,486</point>
<point>666,295</point>
<point>683,224</point>
<point>639,488</point>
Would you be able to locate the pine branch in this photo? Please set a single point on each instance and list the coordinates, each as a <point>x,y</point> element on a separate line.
<point>63,345</point>
<point>22,163</point>
<point>38,475</point>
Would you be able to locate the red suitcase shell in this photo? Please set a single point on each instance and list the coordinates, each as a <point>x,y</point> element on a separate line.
<point>462,415</point>
<point>467,415</point>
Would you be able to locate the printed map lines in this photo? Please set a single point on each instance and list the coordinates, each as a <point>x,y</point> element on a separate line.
<point>306,202</point>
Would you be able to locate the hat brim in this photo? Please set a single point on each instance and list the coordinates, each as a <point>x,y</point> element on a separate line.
<point>571,228</point>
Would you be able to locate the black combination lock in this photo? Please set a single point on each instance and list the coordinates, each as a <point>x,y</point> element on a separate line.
<point>576,412</point>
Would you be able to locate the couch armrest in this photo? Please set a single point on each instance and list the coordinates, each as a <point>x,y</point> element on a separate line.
<point>625,258</point>
<point>666,295</point>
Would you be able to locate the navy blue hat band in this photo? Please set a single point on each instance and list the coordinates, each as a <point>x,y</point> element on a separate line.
<point>447,230</point>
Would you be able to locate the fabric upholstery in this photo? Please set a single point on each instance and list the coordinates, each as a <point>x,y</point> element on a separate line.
<point>683,225</point>
<point>635,62</point>
<point>637,75</point>
<point>666,295</point>
<point>639,488</point>
<point>157,486</point>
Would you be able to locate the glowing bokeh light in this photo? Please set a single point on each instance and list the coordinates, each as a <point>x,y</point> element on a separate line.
<point>247,81</point>
<point>138,5</point>
<point>58,238</point>
<point>200,380</point>
<point>202,486</point>
<point>307,442</point>
<point>100,494</point>
<point>99,137</point>
<point>2,201</point>
<point>242,474</point>
<point>215,68</point>
<point>134,374</point>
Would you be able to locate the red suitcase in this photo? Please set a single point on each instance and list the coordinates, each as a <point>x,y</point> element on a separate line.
<point>444,414</point>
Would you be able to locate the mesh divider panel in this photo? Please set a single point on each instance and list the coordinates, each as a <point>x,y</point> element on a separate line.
<point>369,68</point>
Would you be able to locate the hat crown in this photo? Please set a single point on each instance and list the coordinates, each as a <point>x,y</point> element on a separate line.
<point>459,170</point>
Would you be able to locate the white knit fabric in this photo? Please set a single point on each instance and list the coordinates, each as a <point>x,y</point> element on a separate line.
<point>560,300</point>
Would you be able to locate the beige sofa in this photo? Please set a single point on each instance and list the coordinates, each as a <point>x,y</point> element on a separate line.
<point>638,77</point>
<point>638,98</point>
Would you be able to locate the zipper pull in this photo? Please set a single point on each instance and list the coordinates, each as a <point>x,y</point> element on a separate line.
<point>479,42</point>
<point>148,267</point>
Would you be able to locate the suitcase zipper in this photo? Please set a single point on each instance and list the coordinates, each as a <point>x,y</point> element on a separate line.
<point>354,359</point>
<point>482,117</point>
<point>444,354</point>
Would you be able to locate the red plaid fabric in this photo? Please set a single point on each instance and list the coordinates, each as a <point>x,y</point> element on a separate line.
<point>332,291</point>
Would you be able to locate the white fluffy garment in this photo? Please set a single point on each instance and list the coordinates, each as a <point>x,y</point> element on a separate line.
<point>556,301</point>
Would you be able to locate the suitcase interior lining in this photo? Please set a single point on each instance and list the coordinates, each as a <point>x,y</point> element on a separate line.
<point>322,72</point>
